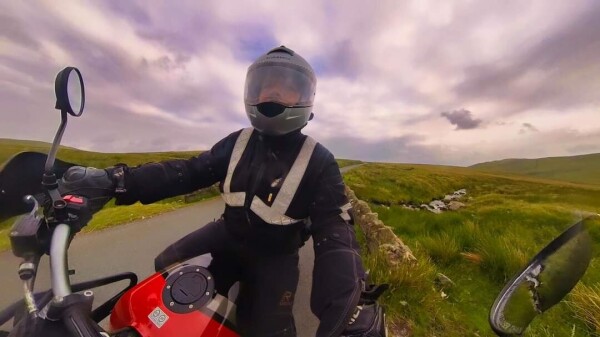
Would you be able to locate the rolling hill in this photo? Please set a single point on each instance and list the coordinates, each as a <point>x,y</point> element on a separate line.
<point>10,147</point>
<point>578,169</point>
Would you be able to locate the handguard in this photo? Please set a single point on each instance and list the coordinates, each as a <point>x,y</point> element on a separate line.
<point>22,175</point>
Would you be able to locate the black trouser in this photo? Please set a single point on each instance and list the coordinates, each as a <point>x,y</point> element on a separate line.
<point>268,282</point>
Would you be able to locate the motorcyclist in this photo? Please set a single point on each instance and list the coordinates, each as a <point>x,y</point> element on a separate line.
<point>280,186</point>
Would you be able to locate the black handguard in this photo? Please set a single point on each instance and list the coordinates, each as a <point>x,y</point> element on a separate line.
<point>368,319</point>
<point>97,185</point>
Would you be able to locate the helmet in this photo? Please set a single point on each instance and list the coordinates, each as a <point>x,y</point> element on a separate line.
<point>279,92</point>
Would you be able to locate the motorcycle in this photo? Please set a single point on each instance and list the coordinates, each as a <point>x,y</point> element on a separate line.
<point>182,301</point>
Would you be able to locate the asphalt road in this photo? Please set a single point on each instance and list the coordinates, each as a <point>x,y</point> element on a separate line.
<point>132,247</point>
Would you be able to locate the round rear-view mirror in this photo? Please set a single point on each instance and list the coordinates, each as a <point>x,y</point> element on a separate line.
<point>546,280</point>
<point>70,92</point>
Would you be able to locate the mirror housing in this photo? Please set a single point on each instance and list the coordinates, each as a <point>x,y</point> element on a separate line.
<point>546,280</point>
<point>70,91</point>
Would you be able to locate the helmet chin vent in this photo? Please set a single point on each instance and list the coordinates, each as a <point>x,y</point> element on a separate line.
<point>270,109</point>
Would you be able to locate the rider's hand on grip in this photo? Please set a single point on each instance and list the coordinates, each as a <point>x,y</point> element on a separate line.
<point>368,319</point>
<point>94,184</point>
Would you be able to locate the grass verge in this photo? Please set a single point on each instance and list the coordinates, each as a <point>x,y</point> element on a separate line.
<point>507,220</point>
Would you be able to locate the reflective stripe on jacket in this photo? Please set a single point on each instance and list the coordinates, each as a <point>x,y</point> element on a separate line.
<point>275,214</point>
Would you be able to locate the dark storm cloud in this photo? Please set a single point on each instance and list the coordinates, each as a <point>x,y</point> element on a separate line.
<point>463,119</point>
<point>565,63</point>
<point>527,127</point>
<point>166,63</point>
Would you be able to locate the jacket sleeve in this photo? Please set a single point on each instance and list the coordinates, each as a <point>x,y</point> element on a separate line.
<point>156,181</point>
<point>338,274</point>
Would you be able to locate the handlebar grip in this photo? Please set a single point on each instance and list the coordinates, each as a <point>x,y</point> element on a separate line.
<point>78,321</point>
<point>80,325</point>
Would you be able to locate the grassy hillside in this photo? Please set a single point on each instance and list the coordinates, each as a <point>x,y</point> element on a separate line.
<point>9,147</point>
<point>579,169</point>
<point>479,247</point>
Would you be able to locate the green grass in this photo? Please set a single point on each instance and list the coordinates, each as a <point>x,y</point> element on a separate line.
<point>347,162</point>
<point>507,220</point>
<point>578,169</point>
<point>585,302</point>
<point>8,148</point>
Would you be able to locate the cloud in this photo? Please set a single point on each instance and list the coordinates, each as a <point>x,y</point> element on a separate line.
<point>12,29</point>
<point>463,119</point>
<point>171,75</point>
<point>527,127</point>
<point>405,149</point>
<point>557,70</point>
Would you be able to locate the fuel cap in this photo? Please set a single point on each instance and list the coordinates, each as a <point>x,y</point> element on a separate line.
<point>188,288</point>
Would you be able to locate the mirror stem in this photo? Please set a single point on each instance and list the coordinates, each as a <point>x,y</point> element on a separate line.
<point>56,143</point>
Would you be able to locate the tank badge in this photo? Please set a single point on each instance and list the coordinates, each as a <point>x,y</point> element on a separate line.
<point>158,317</point>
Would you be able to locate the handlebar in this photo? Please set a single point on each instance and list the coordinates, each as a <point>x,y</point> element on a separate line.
<point>73,309</point>
<point>61,286</point>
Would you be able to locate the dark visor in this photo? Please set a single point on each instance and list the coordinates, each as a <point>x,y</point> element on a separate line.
<point>279,84</point>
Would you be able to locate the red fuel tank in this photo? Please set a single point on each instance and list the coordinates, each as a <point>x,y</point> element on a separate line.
<point>180,302</point>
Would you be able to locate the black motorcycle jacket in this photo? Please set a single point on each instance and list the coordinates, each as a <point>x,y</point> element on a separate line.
<point>275,189</point>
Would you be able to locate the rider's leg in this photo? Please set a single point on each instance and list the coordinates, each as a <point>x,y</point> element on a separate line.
<point>267,296</point>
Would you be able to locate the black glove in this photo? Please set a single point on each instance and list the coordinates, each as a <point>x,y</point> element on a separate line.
<point>368,319</point>
<point>96,185</point>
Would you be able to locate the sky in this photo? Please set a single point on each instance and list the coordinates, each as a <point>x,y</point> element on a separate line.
<point>432,82</point>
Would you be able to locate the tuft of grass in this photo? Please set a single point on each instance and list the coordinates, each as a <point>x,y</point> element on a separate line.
<point>585,303</point>
<point>442,248</point>
<point>502,257</point>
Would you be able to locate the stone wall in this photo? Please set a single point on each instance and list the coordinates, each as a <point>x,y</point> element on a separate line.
<point>378,235</point>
